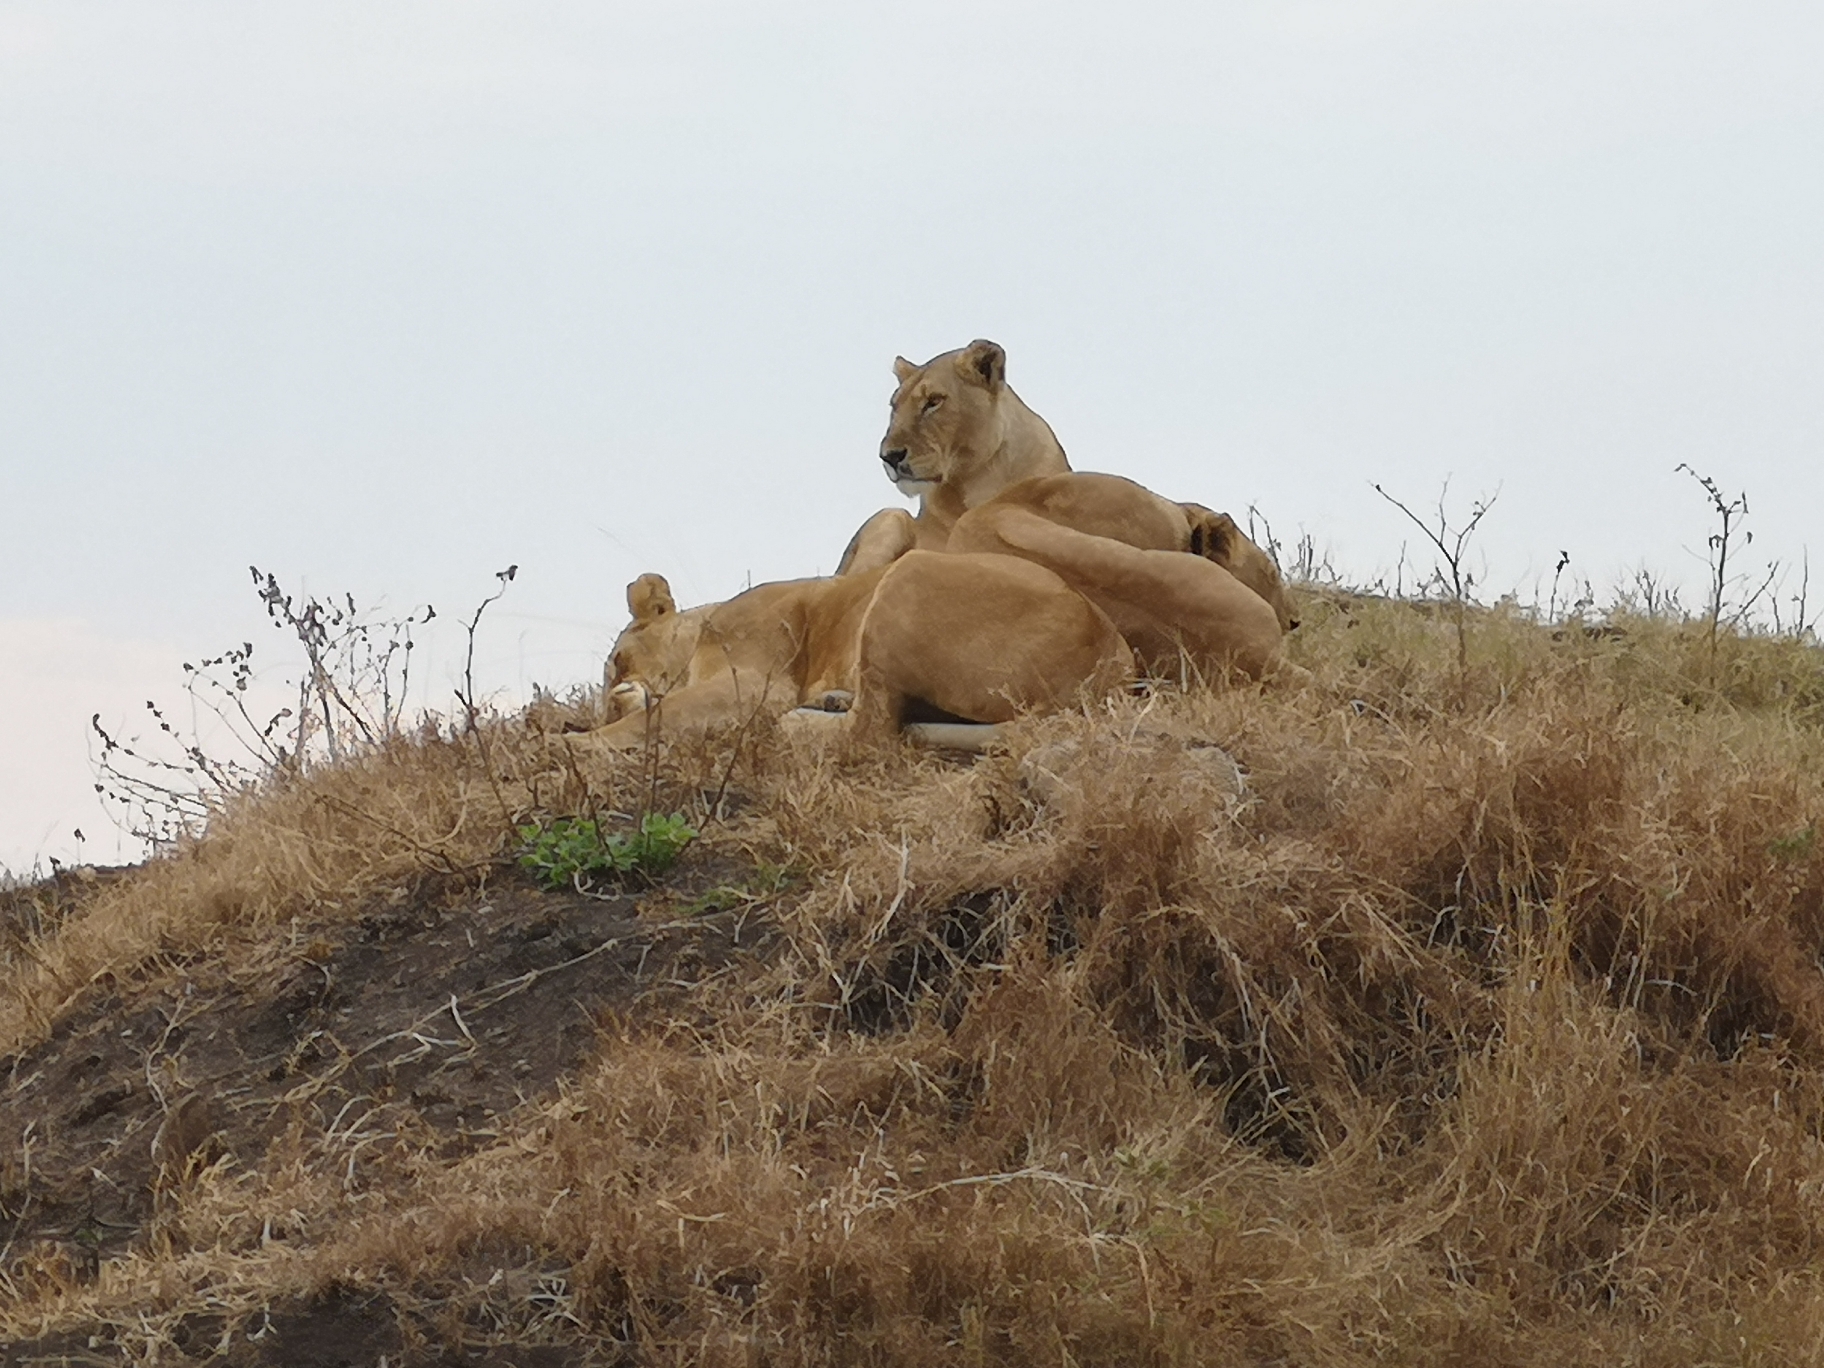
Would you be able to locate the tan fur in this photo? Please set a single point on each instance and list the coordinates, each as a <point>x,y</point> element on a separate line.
<point>653,655</point>
<point>1179,580</point>
<point>1177,583</point>
<point>1118,509</point>
<point>1171,607</point>
<point>958,435</point>
<point>981,638</point>
<point>1217,537</point>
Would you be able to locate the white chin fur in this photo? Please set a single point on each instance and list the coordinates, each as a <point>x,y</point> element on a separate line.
<point>913,489</point>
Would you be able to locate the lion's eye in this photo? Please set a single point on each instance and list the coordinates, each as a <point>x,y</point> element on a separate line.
<point>933,404</point>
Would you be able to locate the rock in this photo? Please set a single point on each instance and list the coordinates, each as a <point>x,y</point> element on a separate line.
<point>1052,773</point>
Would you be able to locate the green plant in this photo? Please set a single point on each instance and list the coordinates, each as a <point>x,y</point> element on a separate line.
<point>568,849</point>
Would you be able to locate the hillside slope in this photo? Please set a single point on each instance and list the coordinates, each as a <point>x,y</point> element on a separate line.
<point>1484,1029</point>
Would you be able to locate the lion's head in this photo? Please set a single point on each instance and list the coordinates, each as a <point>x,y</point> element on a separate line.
<point>652,655</point>
<point>954,417</point>
<point>1216,537</point>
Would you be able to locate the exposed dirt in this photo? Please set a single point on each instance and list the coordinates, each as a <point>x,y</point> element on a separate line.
<point>340,1329</point>
<point>432,1014</point>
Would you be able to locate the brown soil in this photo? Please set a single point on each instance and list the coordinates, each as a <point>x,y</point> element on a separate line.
<point>339,1330</point>
<point>431,1015</point>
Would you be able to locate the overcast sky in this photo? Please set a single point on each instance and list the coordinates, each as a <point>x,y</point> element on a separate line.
<point>383,297</point>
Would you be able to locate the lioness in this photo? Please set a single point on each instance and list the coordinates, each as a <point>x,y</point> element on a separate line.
<point>958,436</point>
<point>972,638</point>
<point>651,657</point>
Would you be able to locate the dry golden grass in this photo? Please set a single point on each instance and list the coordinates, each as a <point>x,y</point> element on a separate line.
<point>1487,1030</point>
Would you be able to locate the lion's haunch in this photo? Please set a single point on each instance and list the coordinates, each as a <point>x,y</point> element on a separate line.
<point>984,638</point>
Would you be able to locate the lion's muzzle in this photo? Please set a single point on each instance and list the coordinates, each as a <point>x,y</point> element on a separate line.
<point>899,470</point>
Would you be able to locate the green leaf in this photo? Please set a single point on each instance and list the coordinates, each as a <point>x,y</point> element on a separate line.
<point>558,852</point>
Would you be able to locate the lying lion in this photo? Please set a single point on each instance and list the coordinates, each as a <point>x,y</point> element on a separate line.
<point>966,635</point>
<point>1185,586</point>
<point>950,637</point>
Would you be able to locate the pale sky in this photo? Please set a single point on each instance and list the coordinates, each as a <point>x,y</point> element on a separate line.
<point>383,297</point>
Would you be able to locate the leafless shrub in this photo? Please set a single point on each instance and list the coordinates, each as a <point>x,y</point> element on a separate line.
<point>1305,564</point>
<point>357,673</point>
<point>1453,574</point>
<point>1729,514</point>
<point>351,694</point>
<point>1798,622</point>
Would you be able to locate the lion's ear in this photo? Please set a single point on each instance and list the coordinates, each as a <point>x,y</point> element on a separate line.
<point>649,599</point>
<point>985,363</point>
<point>1212,534</point>
<point>903,370</point>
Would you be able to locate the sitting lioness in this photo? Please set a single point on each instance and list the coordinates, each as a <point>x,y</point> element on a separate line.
<point>991,476</point>
<point>958,436</point>
<point>962,638</point>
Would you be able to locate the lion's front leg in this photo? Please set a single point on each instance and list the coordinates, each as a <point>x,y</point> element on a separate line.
<point>882,539</point>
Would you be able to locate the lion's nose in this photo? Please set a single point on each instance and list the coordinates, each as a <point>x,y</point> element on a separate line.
<point>895,460</point>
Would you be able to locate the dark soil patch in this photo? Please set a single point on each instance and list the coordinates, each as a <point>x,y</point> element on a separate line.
<point>427,1018</point>
<point>343,1328</point>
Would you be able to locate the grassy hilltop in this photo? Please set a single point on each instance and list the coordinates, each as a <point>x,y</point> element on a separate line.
<point>1487,1029</point>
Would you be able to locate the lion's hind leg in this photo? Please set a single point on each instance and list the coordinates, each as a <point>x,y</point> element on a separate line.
<point>980,639</point>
